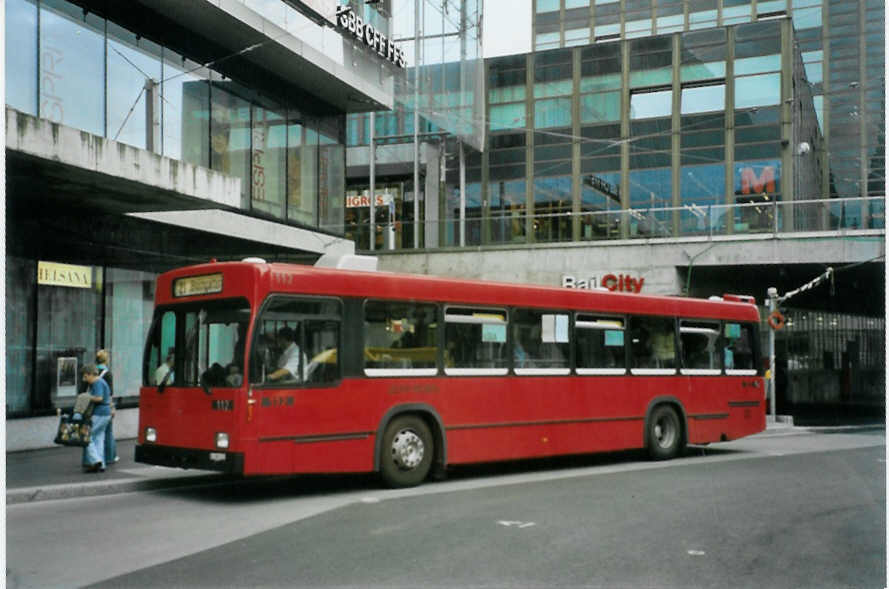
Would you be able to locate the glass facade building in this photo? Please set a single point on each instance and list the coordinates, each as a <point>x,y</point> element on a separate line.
<point>440,96</point>
<point>86,72</point>
<point>157,83</point>
<point>841,46</point>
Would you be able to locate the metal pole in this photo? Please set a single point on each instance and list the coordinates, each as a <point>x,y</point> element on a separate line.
<point>373,178</point>
<point>416,124</point>
<point>462,195</point>
<point>773,306</point>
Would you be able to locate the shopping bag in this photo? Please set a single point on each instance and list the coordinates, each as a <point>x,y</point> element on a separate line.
<point>73,432</point>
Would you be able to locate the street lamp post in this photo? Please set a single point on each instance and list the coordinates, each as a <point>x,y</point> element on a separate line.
<point>774,301</point>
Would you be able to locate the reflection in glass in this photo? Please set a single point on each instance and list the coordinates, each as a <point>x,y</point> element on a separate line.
<point>269,149</point>
<point>129,68</point>
<point>302,173</point>
<point>703,99</point>
<point>331,180</point>
<point>651,104</point>
<point>21,55</point>
<point>599,201</point>
<point>650,190</point>
<point>552,112</point>
<point>127,321</point>
<point>72,71</point>
<point>230,135</point>
<point>507,116</point>
<point>507,211</point>
<point>700,187</point>
<point>186,112</point>
<point>760,90</point>
<point>604,106</point>
<point>552,208</point>
<point>758,64</point>
<point>21,290</point>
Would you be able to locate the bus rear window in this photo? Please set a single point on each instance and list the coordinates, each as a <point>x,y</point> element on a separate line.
<point>199,344</point>
<point>739,352</point>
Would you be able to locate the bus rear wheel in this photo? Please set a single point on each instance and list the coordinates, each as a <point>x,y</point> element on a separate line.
<point>664,433</point>
<point>407,452</point>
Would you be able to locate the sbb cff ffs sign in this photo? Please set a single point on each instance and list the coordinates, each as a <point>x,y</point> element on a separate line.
<point>367,34</point>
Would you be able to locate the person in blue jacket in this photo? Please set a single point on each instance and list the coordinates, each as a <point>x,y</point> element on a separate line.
<point>100,395</point>
<point>102,359</point>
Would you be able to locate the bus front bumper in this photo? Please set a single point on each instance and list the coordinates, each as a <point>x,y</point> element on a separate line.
<point>227,462</point>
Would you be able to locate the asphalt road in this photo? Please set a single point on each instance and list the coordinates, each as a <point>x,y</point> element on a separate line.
<point>804,510</point>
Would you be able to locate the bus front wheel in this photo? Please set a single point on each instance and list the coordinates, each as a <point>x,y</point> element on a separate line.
<point>407,452</point>
<point>664,433</point>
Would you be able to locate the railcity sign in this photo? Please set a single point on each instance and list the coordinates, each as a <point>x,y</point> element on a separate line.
<point>612,282</point>
<point>367,34</point>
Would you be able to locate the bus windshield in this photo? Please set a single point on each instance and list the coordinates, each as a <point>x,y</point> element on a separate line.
<point>198,344</point>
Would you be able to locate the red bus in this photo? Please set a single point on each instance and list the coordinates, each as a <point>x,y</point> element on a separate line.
<point>257,368</point>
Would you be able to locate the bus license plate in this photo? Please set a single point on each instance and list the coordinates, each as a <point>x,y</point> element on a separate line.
<point>217,457</point>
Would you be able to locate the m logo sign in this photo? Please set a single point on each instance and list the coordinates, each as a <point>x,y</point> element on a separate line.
<point>757,178</point>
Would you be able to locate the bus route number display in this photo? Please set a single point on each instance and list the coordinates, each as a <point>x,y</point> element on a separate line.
<point>197,285</point>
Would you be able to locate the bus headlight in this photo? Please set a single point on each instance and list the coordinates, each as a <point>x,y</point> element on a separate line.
<point>221,440</point>
<point>150,434</point>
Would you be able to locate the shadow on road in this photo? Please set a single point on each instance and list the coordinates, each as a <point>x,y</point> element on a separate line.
<point>242,490</point>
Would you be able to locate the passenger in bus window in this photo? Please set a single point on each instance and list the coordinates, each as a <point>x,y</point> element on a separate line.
<point>290,360</point>
<point>519,355</point>
<point>164,373</point>
<point>234,377</point>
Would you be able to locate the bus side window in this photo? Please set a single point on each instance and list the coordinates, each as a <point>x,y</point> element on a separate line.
<point>653,343</point>
<point>321,345</point>
<point>599,345</point>
<point>540,341</point>
<point>400,336</point>
<point>296,342</point>
<point>738,347</point>
<point>475,339</point>
<point>699,345</point>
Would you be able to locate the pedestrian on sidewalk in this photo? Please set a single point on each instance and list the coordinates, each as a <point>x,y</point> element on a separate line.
<point>101,397</point>
<point>103,357</point>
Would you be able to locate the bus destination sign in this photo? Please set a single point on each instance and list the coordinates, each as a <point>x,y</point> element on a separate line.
<point>197,285</point>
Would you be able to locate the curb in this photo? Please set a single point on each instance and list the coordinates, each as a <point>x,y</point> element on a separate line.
<point>95,489</point>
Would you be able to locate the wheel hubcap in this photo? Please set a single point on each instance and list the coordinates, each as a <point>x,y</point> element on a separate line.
<point>407,449</point>
<point>665,433</point>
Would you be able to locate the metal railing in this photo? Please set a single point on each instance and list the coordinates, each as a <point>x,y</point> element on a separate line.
<point>516,226</point>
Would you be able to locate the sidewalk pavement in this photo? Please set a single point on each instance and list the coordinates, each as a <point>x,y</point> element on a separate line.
<point>56,473</point>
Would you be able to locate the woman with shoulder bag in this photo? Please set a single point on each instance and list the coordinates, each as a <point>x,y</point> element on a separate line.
<point>102,359</point>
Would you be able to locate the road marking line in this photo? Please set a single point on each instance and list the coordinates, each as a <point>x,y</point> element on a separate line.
<point>510,523</point>
<point>696,552</point>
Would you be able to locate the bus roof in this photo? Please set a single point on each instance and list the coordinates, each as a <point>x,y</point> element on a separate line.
<point>252,280</point>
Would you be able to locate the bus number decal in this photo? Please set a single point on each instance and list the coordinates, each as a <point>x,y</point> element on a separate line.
<point>222,405</point>
<point>277,401</point>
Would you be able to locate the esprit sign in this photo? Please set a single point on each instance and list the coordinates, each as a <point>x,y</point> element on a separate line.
<point>367,34</point>
<point>612,282</point>
<point>53,274</point>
